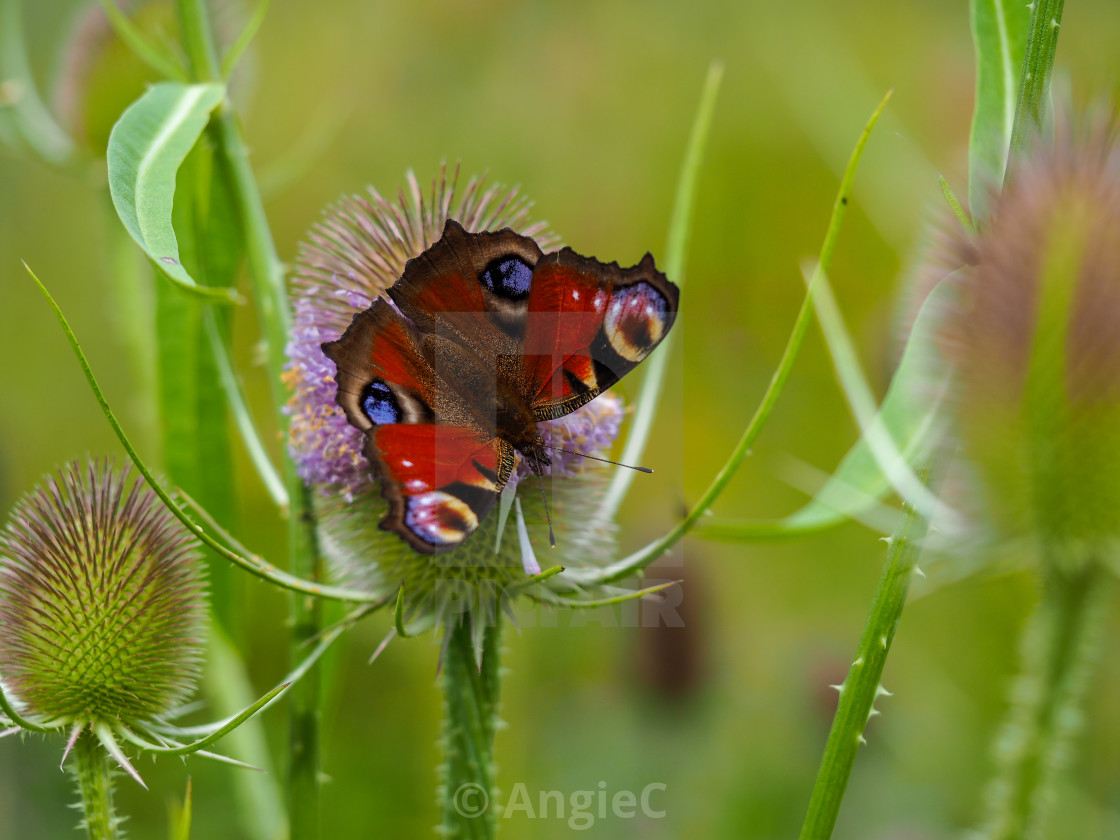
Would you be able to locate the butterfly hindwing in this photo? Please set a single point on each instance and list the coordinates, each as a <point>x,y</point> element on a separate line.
<point>440,481</point>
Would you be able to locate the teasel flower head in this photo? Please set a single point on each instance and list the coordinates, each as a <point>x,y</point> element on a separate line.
<point>1037,347</point>
<point>351,257</point>
<point>102,604</point>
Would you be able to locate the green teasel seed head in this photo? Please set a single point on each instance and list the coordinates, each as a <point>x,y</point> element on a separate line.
<point>1037,345</point>
<point>476,579</point>
<point>102,601</point>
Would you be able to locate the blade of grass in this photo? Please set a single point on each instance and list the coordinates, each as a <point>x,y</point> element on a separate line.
<point>148,52</point>
<point>676,252</point>
<point>258,455</point>
<point>880,442</point>
<point>646,555</point>
<point>999,32</point>
<point>244,39</point>
<point>909,414</point>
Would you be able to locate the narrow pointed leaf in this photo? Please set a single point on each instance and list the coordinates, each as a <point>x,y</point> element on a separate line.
<point>894,464</point>
<point>181,817</point>
<point>250,562</point>
<point>16,718</point>
<point>105,736</point>
<point>676,252</point>
<point>999,33</point>
<point>650,552</point>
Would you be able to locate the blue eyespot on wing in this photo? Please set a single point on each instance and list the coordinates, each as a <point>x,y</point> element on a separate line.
<point>508,276</point>
<point>380,405</point>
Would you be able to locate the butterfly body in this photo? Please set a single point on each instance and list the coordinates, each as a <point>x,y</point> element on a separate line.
<point>482,338</point>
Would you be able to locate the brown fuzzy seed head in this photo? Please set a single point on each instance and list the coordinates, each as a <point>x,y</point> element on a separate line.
<point>102,600</point>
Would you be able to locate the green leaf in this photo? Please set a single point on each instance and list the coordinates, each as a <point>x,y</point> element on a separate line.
<point>181,817</point>
<point>882,444</point>
<point>999,33</point>
<point>146,148</point>
<point>908,413</point>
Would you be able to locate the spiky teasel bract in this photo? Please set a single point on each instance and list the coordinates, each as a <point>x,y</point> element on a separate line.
<point>357,252</point>
<point>102,604</point>
<point>1036,342</point>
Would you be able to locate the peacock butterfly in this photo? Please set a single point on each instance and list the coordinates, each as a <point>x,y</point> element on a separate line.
<point>483,337</point>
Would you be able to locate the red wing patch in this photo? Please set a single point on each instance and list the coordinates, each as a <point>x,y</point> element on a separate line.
<point>566,311</point>
<point>589,324</point>
<point>440,481</point>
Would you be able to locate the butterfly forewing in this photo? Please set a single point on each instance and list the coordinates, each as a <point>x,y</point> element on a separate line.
<point>589,324</point>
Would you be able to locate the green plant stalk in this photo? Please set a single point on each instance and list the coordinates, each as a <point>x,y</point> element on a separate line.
<point>863,686</point>
<point>1058,646</point>
<point>92,770</point>
<point>1038,67</point>
<point>471,694</point>
<point>266,275</point>
<point>305,700</point>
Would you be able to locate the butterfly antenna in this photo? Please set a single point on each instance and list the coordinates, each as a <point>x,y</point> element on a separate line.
<point>548,516</point>
<point>597,458</point>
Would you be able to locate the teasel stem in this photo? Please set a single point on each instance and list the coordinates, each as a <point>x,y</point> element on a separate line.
<point>1058,647</point>
<point>266,276</point>
<point>862,686</point>
<point>1038,67</point>
<point>91,767</point>
<point>471,688</point>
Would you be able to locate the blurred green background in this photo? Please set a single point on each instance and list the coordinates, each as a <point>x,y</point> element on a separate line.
<point>587,105</point>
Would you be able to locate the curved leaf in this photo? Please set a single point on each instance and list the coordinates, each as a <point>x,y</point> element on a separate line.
<point>909,414</point>
<point>146,148</point>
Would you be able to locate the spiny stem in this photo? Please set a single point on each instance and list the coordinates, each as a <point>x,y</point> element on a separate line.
<point>1038,66</point>
<point>471,694</point>
<point>1034,743</point>
<point>92,770</point>
<point>862,686</point>
<point>266,275</point>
